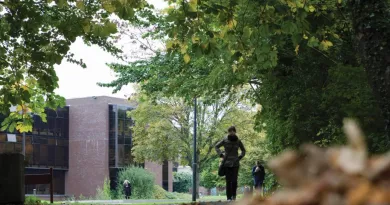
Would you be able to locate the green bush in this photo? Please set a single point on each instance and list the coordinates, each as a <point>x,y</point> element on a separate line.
<point>141,180</point>
<point>182,182</point>
<point>158,192</point>
<point>33,200</point>
<point>105,193</point>
<point>183,196</point>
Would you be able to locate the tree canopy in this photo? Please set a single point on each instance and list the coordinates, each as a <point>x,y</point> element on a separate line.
<point>36,35</point>
<point>164,127</point>
<point>299,58</point>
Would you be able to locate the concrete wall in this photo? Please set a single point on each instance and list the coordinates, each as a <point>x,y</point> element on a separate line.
<point>156,169</point>
<point>170,177</point>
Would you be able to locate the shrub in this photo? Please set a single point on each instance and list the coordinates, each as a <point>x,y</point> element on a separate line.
<point>141,180</point>
<point>159,192</point>
<point>105,193</point>
<point>182,182</point>
<point>33,200</point>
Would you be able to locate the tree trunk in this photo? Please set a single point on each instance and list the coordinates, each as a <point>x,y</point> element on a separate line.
<point>371,24</point>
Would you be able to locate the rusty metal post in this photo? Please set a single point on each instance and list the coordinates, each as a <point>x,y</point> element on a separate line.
<point>51,185</point>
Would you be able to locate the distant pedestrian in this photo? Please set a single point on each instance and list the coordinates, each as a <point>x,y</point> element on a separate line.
<point>231,161</point>
<point>258,173</point>
<point>127,189</point>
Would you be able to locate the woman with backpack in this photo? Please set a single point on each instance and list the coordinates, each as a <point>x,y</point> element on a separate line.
<point>230,161</point>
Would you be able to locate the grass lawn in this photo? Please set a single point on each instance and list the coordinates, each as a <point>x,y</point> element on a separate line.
<point>164,201</point>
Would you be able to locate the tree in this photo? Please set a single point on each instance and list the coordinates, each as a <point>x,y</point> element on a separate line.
<point>215,46</point>
<point>182,182</point>
<point>370,20</point>
<point>36,35</point>
<point>163,129</point>
<point>209,177</point>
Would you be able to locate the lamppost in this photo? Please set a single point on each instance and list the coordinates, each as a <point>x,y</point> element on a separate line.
<point>194,164</point>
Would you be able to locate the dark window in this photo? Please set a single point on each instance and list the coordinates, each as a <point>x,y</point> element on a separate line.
<point>43,161</point>
<point>58,182</point>
<point>47,145</point>
<point>51,154</point>
<point>165,172</point>
<point>123,126</point>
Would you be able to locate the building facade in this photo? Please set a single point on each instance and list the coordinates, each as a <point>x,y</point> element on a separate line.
<point>86,142</point>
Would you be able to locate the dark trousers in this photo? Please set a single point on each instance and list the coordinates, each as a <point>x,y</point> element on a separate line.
<point>258,184</point>
<point>127,193</point>
<point>231,182</point>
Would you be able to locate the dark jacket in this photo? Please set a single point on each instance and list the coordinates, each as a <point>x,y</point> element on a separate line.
<point>260,175</point>
<point>127,189</point>
<point>231,145</point>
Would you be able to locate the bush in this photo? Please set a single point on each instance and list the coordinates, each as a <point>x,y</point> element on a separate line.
<point>105,193</point>
<point>33,200</point>
<point>141,180</point>
<point>160,193</point>
<point>182,182</point>
<point>185,196</point>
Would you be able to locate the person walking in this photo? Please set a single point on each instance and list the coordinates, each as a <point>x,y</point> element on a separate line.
<point>231,160</point>
<point>258,174</point>
<point>127,189</point>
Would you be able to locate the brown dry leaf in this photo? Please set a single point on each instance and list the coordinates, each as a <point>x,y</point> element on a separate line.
<point>379,196</point>
<point>335,176</point>
<point>355,135</point>
<point>359,194</point>
<point>378,166</point>
<point>352,161</point>
<point>332,199</point>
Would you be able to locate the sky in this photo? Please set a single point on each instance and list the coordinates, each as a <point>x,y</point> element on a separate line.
<point>76,82</point>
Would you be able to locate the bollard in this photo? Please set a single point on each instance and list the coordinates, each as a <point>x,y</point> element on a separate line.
<point>35,192</point>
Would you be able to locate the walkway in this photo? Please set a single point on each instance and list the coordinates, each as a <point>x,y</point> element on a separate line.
<point>148,201</point>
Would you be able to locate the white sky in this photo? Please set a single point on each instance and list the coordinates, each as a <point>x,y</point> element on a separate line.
<point>75,82</point>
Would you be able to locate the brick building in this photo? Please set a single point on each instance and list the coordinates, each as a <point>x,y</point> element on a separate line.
<point>85,142</point>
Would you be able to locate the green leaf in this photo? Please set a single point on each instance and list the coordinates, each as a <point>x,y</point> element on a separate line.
<point>62,3</point>
<point>107,5</point>
<point>187,58</point>
<point>247,33</point>
<point>312,8</point>
<point>110,27</point>
<point>80,5</point>
<point>12,127</point>
<point>192,5</point>
<point>87,27</point>
<point>289,27</point>
<point>325,44</point>
<point>313,42</point>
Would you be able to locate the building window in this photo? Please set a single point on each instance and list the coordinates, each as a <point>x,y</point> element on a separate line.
<point>120,136</point>
<point>47,144</point>
<point>44,189</point>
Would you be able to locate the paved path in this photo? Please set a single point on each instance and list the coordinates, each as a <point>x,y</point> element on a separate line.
<point>148,201</point>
